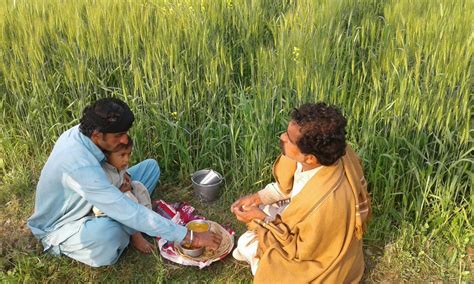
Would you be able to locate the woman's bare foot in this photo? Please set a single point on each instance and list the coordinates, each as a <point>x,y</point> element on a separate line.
<point>141,244</point>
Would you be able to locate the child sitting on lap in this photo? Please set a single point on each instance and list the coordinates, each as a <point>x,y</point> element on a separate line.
<point>116,169</point>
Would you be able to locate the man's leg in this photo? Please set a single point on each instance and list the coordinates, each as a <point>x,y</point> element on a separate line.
<point>146,172</point>
<point>99,242</point>
<point>247,244</point>
<point>246,250</point>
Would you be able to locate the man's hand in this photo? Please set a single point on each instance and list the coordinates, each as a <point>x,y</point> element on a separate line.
<point>207,239</point>
<point>247,201</point>
<point>127,183</point>
<point>247,214</point>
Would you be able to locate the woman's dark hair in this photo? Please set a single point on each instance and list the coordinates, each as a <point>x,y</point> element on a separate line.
<point>107,115</point>
<point>323,131</point>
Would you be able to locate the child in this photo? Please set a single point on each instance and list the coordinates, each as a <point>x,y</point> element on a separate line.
<point>116,169</point>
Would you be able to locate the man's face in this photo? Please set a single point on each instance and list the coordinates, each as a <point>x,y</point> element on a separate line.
<point>109,141</point>
<point>288,142</point>
<point>120,158</point>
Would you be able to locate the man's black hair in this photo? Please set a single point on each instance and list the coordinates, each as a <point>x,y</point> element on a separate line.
<point>323,131</point>
<point>109,115</point>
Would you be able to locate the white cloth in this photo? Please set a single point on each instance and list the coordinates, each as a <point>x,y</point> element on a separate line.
<point>247,244</point>
<point>301,178</point>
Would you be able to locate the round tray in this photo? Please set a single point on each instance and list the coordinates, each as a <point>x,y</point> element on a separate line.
<point>225,247</point>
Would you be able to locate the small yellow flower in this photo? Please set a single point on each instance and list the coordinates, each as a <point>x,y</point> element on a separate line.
<point>296,54</point>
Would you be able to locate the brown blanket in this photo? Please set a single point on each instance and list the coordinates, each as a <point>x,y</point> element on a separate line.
<point>318,236</point>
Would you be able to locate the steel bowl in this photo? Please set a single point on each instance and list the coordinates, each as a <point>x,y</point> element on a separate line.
<point>192,252</point>
<point>198,226</point>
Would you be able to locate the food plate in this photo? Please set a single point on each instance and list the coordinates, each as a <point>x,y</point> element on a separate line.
<point>225,247</point>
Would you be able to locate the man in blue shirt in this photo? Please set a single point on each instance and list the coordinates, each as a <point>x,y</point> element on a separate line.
<point>73,181</point>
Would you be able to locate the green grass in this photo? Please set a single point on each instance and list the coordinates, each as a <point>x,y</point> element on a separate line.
<point>212,83</point>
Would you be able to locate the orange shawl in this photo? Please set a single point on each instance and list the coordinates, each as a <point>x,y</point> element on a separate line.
<point>318,236</point>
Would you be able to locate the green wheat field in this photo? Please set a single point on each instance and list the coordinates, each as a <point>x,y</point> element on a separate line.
<point>212,84</point>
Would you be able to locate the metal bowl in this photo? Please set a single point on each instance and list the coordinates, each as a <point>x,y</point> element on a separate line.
<point>198,226</point>
<point>192,252</point>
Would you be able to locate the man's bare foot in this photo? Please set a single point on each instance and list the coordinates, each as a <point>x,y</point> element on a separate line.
<point>141,244</point>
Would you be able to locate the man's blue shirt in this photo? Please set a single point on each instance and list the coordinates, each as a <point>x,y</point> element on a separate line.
<point>72,181</point>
